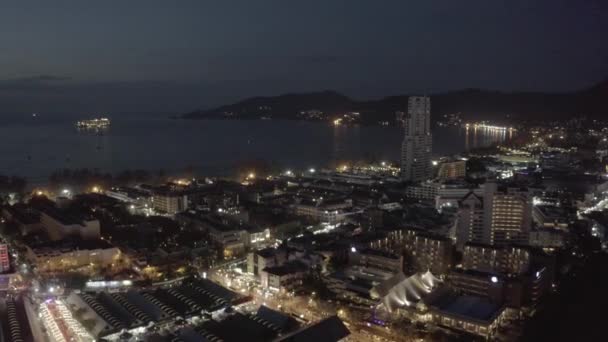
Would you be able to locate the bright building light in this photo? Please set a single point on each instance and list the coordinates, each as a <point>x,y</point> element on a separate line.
<point>312,170</point>
<point>353,249</point>
<point>494,279</point>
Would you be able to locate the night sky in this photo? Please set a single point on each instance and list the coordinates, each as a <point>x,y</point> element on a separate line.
<point>172,56</point>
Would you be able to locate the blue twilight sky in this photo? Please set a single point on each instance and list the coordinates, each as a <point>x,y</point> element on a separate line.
<point>173,56</point>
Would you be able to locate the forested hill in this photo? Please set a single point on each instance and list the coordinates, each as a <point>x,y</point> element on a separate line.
<point>473,104</point>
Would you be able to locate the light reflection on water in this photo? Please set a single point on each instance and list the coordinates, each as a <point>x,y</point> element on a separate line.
<point>476,137</point>
<point>37,148</point>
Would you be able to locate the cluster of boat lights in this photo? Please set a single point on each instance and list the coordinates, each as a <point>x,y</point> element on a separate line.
<point>490,127</point>
<point>94,123</point>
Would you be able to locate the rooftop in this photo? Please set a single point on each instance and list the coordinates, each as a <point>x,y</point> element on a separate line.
<point>331,329</point>
<point>163,190</point>
<point>276,318</point>
<point>23,213</point>
<point>494,247</point>
<point>287,268</point>
<point>466,306</point>
<point>551,211</point>
<point>267,252</point>
<point>71,243</point>
<point>380,253</point>
<point>61,216</point>
<point>238,327</point>
<point>225,224</point>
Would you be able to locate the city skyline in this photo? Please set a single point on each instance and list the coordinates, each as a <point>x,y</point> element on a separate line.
<point>319,171</point>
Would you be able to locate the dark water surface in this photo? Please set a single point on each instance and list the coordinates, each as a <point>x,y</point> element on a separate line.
<point>34,147</point>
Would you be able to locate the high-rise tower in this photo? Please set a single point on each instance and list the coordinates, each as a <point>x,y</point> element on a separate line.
<point>503,216</point>
<point>417,141</point>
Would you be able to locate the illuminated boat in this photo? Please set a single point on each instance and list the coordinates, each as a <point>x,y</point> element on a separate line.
<point>96,123</point>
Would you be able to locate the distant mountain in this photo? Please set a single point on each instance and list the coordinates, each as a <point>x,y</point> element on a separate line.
<point>473,104</point>
<point>286,106</point>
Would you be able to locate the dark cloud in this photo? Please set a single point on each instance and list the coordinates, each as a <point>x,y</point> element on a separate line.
<point>42,78</point>
<point>32,82</point>
<point>207,53</point>
<point>35,79</point>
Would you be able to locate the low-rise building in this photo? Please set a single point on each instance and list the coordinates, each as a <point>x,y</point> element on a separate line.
<point>547,238</point>
<point>453,169</point>
<point>450,193</point>
<point>368,268</point>
<point>548,216</point>
<point>17,318</point>
<point>326,211</point>
<point>25,217</point>
<point>129,195</point>
<point>169,202</point>
<point>514,291</point>
<point>494,259</point>
<point>168,199</point>
<point>109,315</point>
<point>232,238</point>
<point>60,225</point>
<point>284,277</point>
<point>423,191</point>
<point>391,240</point>
<point>471,314</point>
<point>72,255</point>
<point>319,332</point>
<point>427,252</point>
<point>376,260</point>
<point>267,257</point>
<point>481,284</point>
